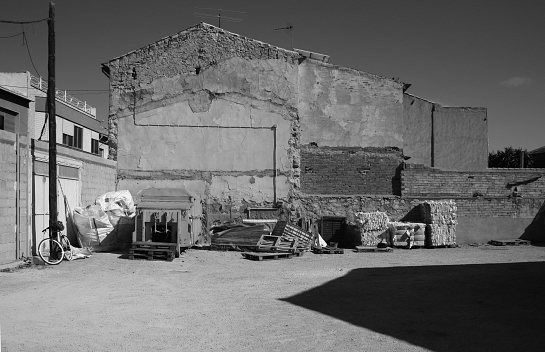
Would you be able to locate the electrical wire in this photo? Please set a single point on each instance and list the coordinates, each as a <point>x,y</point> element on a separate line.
<point>29,55</point>
<point>24,22</point>
<point>11,36</point>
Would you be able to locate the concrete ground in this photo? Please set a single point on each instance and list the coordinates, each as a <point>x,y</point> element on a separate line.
<point>481,298</point>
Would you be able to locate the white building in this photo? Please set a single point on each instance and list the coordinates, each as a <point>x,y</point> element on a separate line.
<point>77,125</point>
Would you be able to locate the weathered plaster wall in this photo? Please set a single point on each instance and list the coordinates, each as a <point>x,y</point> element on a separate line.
<point>417,131</point>
<point>210,106</point>
<point>344,107</point>
<point>460,138</point>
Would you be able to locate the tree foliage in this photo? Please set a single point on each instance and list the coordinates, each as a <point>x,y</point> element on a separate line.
<point>510,158</point>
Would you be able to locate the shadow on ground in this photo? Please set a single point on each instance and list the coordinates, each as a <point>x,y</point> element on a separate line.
<point>490,307</point>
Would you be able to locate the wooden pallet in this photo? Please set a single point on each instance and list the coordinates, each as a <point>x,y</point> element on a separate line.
<point>259,256</point>
<point>513,242</point>
<point>153,250</point>
<point>328,250</point>
<point>288,231</point>
<point>373,249</point>
<point>271,243</point>
<point>152,254</point>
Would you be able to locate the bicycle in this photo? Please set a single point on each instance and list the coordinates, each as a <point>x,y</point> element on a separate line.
<point>53,249</point>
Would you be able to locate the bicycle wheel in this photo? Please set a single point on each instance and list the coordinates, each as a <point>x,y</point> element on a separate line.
<point>50,251</point>
<point>67,248</point>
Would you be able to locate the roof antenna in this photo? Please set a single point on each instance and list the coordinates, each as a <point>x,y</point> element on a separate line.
<point>219,17</point>
<point>288,29</point>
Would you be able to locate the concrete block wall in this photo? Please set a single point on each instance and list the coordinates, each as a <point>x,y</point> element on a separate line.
<point>97,178</point>
<point>345,171</point>
<point>8,176</point>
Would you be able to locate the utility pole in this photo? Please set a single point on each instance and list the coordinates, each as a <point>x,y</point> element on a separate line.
<point>52,121</point>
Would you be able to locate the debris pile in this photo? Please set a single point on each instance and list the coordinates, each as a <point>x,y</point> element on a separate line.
<point>441,219</point>
<point>107,224</point>
<point>373,227</point>
<point>407,234</point>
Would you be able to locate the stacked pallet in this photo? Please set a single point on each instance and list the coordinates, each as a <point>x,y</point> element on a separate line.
<point>373,227</point>
<point>153,251</point>
<point>441,219</point>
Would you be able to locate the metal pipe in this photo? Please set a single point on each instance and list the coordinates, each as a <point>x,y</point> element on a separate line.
<point>18,188</point>
<point>274,127</point>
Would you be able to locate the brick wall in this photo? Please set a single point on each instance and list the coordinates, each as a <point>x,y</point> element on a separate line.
<point>345,171</point>
<point>421,181</point>
<point>513,195</point>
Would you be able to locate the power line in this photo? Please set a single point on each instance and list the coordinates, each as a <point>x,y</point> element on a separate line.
<point>25,41</point>
<point>24,22</point>
<point>11,36</point>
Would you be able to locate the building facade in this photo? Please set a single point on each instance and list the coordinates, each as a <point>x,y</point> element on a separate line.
<point>249,126</point>
<point>83,170</point>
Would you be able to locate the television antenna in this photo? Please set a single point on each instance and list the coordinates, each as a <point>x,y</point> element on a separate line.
<point>288,29</point>
<point>218,16</point>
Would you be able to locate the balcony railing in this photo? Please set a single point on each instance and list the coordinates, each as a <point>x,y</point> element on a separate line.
<point>62,95</point>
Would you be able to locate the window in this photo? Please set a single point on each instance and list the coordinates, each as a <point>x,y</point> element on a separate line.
<point>101,152</point>
<point>94,146</point>
<point>7,120</point>
<point>78,137</point>
<point>67,140</point>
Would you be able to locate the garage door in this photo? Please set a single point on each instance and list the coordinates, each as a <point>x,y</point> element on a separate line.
<point>68,177</point>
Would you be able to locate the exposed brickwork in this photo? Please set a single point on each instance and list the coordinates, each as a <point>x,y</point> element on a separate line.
<point>350,170</point>
<point>499,207</point>
<point>421,181</point>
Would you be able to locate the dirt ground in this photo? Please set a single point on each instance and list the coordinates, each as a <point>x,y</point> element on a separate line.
<point>461,299</point>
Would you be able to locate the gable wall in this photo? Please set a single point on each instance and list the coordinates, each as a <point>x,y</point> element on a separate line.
<point>207,110</point>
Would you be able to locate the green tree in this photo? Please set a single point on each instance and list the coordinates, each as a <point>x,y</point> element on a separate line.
<point>509,157</point>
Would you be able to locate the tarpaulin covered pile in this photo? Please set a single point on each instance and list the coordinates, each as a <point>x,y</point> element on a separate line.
<point>108,223</point>
<point>237,236</point>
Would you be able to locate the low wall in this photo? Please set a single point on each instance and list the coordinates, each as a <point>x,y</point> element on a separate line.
<point>492,204</point>
<point>421,181</point>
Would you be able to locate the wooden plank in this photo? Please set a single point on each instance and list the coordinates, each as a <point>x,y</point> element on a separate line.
<point>511,242</point>
<point>259,256</point>
<point>373,249</point>
<point>328,250</point>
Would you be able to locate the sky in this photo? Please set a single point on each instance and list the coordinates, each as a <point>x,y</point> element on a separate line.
<point>478,53</point>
